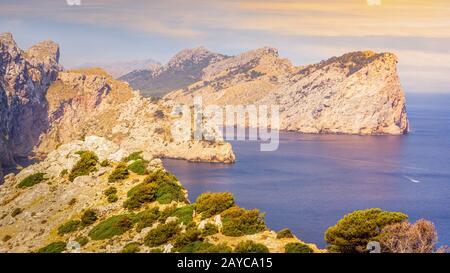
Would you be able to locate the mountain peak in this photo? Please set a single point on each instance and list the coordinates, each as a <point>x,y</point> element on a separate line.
<point>193,56</point>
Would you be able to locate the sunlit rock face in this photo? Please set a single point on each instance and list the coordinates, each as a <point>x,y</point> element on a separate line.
<point>24,79</point>
<point>357,93</point>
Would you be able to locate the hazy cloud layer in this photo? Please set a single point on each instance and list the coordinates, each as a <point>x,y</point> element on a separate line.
<point>418,31</point>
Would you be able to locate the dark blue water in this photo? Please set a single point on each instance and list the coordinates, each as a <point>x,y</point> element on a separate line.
<point>311,181</point>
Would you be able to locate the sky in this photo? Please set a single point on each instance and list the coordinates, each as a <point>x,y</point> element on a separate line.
<point>91,31</point>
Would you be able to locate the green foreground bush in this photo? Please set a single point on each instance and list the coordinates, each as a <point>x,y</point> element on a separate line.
<point>115,225</point>
<point>353,232</point>
<point>238,222</point>
<point>161,234</point>
<point>250,247</point>
<point>31,180</point>
<point>55,247</point>
<point>285,233</point>
<point>132,247</point>
<point>210,204</point>
<point>119,173</point>
<point>86,165</point>
<point>297,248</point>
<point>68,227</point>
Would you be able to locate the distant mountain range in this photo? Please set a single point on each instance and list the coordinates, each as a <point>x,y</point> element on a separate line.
<point>119,69</point>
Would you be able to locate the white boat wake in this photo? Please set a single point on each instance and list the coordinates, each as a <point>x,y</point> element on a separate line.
<point>412,179</point>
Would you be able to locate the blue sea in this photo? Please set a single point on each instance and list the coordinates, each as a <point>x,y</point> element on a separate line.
<point>311,181</point>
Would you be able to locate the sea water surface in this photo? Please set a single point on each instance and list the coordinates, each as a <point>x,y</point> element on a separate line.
<point>311,181</point>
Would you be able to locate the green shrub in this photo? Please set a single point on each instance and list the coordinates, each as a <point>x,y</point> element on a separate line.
<point>250,247</point>
<point>89,217</point>
<point>140,194</point>
<point>238,222</point>
<point>139,167</point>
<point>72,202</point>
<point>86,165</point>
<point>161,234</point>
<point>55,247</point>
<point>210,204</point>
<point>209,229</point>
<point>146,218</point>
<point>31,180</point>
<point>184,214</point>
<point>115,225</point>
<point>297,248</point>
<point>110,190</point>
<point>189,236</point>
<point>353,232</point>
<point>204,247</point>
<point>166,213</point>
<point>285,233</point>
<point>82,240</point>
<point>105,163</point>
<point>133,156</point>
<point>119,173</point>
<point>160,177</point>
<point>168,192</point>
<point>112,198</point>
<point>156,250</point>
<point>132,247</point>
<point>69,226</point>
<point>16,212</point>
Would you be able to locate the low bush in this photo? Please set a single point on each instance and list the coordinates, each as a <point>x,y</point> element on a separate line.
<point>115,225</point>
<point>31,180</point>
<point>166,213</point>
<point>140,194</point>
<point>250,247</point>
<point>82,240</point>
<point>184,214</point>
<point>86,165</point>
<point>205,247</point>
<point>89,217</point>
<point>112,198</point>
<point>119,173</point>
<point>168,192</point>
<point>133,156</point>
<point>161,234</point>
<point>209,229</point>
<point>146,218</point>
<point>110,190</point>
<point>55,247</point>
<point>187,237</point>
<point>132,247</point>
<point>297,248</point>
<point>63,173</point>
<point>139,167</point>
<point>238,222</point>
<point>210,204</point>
<point>105,163</point>
<point>68,227</point>
<point>16,212</point>
<point>285,233</point>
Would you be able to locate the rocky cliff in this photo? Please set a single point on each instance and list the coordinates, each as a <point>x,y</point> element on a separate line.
<point>42,107</point>
<point>24,79</point>
<point>93,213</point>
<point>183,69</point>
<point>357,93</point>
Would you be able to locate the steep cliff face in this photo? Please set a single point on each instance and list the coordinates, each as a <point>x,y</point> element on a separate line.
<point>24,79</point>
<point>183,69</point>
<point>357,93</point>
<point>90,102</point>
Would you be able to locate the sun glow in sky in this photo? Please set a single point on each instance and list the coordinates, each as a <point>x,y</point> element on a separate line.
<point>418,31</point>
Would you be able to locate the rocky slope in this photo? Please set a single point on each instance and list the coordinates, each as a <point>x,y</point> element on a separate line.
<point>88,102</point>
<point>357,93</point>
<point>42,107</point>
<point>24,79</point>
<point>183,69</point>
<point>39,214</point>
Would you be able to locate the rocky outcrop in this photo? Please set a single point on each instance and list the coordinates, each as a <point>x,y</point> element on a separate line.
<point>30,217</point>
<point>183,69</point>
<point>24,79</point>
<point>89,102</point>
<point>357,93</point>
